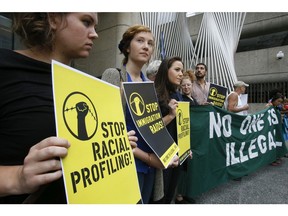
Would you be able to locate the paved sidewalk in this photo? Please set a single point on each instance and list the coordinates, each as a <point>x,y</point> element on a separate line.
<point>268,185</point>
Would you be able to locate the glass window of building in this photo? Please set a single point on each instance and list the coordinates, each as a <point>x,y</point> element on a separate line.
<point>6,35</point>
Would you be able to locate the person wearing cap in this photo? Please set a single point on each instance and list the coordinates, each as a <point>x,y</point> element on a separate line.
<point>152,69</point>
<point>234,103</point>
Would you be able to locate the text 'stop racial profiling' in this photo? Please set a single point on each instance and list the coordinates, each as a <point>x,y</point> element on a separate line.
<point>99,167</point>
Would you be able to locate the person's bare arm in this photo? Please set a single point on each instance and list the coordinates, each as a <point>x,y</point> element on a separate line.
<point>41,166</point>
<point>233,102</point>
<point>149,158</point>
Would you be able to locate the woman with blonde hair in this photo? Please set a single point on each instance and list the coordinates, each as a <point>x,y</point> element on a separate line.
<point>137,46</point>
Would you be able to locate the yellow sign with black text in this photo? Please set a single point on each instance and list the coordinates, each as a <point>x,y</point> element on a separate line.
<point>100,166</point>
<point>183,130</point>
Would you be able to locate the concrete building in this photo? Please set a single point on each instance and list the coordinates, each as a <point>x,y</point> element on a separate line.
<point>256,62</point>
<point>263,36</point>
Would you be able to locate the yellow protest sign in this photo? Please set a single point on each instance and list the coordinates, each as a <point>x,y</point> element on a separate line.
<point>99,167</point>
<point>183,130</point>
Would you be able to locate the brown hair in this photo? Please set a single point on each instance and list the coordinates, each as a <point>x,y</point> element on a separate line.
<point>35,29</point>
<point>127,37</point>
<point>162,83</point>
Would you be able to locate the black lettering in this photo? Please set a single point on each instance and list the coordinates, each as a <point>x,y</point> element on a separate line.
<point>127,147</point>
<point>75,177</point>
<point>102,168</point>
<point>95,172</point>
<point>96,150</point>
<point>85,176</point>
<point>117,129</point>
<point>121,161</point>
<point>106,133</point>
<point>105,152</point>
<point>111,131</point>
<point>127,159</point>
<point>121,146</point>
<point>122,126</point>
<point>110,145</point>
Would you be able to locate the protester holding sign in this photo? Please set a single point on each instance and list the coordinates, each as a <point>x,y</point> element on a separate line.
<point>29,155</point>
<point>233,102</point>
<point>186,89</point>
<point>284,112</point>
<point>30,169</point>
<point>167,82</point>
<point>137,45</point>
<point>276,100</point>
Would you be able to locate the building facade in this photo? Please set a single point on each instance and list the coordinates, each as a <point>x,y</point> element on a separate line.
<point>263,36</point>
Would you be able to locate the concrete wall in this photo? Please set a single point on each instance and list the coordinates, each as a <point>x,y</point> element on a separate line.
<point>260,65</point>
<point>105,52</point>
<point>256,107</point>
<point>251,66</point>
<point>264,23</point>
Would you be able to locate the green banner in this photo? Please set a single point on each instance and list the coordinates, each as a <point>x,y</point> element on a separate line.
<point>227,146</point>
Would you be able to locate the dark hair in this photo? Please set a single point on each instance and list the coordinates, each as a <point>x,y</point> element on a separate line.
<point>162,83</point>
<point>205,66</point>
<point>276,96</point>
<point>35,29</point>
<point>127,37</point>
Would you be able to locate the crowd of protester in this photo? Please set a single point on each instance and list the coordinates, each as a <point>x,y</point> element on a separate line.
<point>33,167</point>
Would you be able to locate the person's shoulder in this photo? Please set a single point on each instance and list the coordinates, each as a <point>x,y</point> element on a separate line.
<point>232,95</point>
<point>8,57</point>
<point>5,52</point>
<point>111,71</point>
<point>113,76</point>
<point>194,83</point>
